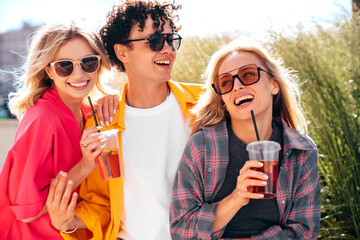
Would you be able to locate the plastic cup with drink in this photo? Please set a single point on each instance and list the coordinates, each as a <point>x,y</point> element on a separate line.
<point>266,152</point>
<point>109,160</point>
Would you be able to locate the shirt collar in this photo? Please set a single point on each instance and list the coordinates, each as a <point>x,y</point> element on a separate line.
<point>294,139</point>
<point>186,98</point>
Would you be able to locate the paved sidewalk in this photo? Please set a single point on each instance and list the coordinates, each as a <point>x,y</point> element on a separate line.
<point>7,134</point>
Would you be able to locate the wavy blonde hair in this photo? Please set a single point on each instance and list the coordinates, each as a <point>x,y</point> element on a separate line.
<point>45,44</point>
<point>210,108</point>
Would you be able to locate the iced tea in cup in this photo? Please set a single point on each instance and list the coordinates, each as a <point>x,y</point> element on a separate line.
<point>109,160</point>
<point>266,152</point>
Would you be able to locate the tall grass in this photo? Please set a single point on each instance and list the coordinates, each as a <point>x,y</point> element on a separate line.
<point>329,60</point>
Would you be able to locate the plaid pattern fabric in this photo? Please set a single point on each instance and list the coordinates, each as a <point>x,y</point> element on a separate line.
<point>201,173</point>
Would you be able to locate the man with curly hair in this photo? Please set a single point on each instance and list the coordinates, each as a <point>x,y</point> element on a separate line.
<point>141,40</point>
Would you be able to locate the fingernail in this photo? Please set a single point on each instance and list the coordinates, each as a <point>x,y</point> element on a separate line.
<point>260,163</point>
<point>107,123</point>
<point>263,182</point>
<point>103,140</point>
<point>261,195</point>
<point>99,127</point>
<point>64,174</point>
<point>111,119</point>
<point>114,111</point>
<point>70,182</point>
<point>101,136</point>
<point>101,123</point>
<point>102,146</point>
<point>265,176</point>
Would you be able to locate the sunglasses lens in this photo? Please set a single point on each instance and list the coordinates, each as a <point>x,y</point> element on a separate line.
<point>248,74</point>
<point>157,42</point>
<point>174,41</point>
<point>63,68</point>
<point>89,64</point>
<point>223,83</point>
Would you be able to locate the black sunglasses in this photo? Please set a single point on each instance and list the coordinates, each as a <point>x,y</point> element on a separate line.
<point>88,64</point>
<point>247,75</point>
<point>157,41</point>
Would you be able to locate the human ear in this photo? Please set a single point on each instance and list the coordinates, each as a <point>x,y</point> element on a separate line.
<point>275,87</point>
<point>120,52</point>
<point>49,72</point>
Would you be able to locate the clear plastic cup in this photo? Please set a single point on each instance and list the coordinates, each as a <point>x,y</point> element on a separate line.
<point>109,160</point>
<point>266,152</point>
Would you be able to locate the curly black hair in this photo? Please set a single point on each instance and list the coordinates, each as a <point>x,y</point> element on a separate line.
<point>128,13</point>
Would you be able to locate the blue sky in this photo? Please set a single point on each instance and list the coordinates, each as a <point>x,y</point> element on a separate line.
<point>197,17</point>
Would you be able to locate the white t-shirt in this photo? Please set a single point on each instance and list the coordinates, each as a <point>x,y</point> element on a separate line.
<point>152,143</point>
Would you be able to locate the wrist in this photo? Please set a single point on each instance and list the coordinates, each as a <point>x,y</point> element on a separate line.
<point>75,228</point>
<point>235,201</point>
<point>85,166</point>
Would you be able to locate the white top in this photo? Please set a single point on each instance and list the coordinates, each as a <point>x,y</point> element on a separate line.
<point>152,143</point>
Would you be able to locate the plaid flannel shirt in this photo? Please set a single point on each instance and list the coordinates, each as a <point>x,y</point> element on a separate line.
<point>202,171</point>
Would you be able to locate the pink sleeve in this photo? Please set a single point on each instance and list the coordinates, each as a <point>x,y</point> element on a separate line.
<point>31,168</point>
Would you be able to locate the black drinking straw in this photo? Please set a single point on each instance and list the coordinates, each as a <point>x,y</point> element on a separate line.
<point>106,161</point>
<point>93,112</point>
<point>256,130</point>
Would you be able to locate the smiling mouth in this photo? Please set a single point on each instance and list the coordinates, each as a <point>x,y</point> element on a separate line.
<point>162,63</point>
<point>78,84</point>
<point>243,99</point>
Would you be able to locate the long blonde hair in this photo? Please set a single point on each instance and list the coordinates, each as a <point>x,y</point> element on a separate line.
<point>45,44</point>
<point>210,108</point>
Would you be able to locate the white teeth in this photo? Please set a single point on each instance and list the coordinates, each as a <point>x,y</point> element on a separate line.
<point>78,84</point>
<point>242,98</point>
<point>162,62</point>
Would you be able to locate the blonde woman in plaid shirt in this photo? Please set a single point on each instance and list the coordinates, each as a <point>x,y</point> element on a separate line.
<point>212,194</point>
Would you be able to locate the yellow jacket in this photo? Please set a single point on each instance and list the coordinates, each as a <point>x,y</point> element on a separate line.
<point>101,202</point>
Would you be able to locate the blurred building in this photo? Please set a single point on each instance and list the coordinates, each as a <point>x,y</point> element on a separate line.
<point>13,48</point>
